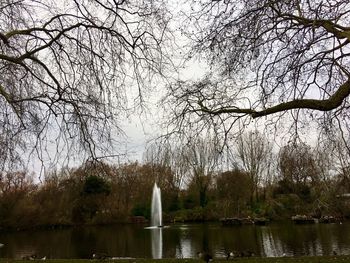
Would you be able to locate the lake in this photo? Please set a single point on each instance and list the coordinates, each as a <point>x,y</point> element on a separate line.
<point>179,240</point>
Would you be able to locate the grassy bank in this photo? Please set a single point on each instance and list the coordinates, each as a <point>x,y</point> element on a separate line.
<point>325,259</point>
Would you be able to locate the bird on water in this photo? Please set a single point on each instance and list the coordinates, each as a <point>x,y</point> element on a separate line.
<point>33,257</point>
<point>229,254</point>
<point>101,256</point>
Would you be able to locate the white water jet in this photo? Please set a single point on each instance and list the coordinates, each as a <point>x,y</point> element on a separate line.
<point>156,208</point>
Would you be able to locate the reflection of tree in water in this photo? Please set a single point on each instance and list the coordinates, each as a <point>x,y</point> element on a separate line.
<point>299,238</point>
<point>175,238</point>
<point>188,240</point>
<point>205,239</point>
<point>85,242</point>
<point>117,241</point>
<point>182,241</point>
<point>316,239</point>
<point>240,238</point>
<point>339,238</point>
<point>267,244</point>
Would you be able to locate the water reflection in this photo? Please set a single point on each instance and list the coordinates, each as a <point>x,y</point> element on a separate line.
<point>179,241</point>
<point>270,246</point>
<point>157,242</point>
<point>185,247</point>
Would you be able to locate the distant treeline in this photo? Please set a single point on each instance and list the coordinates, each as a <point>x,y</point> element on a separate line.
<point>195,189</point>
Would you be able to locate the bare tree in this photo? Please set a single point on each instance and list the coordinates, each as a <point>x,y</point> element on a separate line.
<point>255,153</point>
<point>234,191</point>
<point>169,155</point>
<point>341,161</point>
<point>201,156</point>
<point>325,161</point>
<point>298,165</point>
<point>67,70</point>
<point>267,58</point>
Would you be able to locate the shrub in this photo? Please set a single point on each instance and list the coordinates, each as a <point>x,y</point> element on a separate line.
<point>96,185</point>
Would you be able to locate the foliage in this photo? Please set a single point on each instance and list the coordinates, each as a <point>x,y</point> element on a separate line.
<point>101,193</point>
<point>96,185</point>
<point>286,187</point>
<point>233,189</point>
<point>141,209</point>
<point>288,205</point>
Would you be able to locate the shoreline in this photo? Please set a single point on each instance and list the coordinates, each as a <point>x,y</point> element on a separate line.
<point>304,259</point>
<point>9,229</point>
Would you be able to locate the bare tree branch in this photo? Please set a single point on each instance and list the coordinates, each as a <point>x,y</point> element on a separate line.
<point>67,71</point>
<point>286,60</point>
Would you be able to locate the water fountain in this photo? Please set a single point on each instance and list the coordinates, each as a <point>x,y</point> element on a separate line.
<point>156,207</point>
<point>156,223</point>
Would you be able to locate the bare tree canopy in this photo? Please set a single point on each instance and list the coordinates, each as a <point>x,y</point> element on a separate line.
<point>267,58</point>
<point>255,154</point>
<point>67,67</point>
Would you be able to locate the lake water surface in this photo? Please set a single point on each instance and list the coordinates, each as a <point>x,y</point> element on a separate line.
<point>179,241</point>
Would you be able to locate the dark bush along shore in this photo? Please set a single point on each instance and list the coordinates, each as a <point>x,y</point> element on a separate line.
<point>319,259</point>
